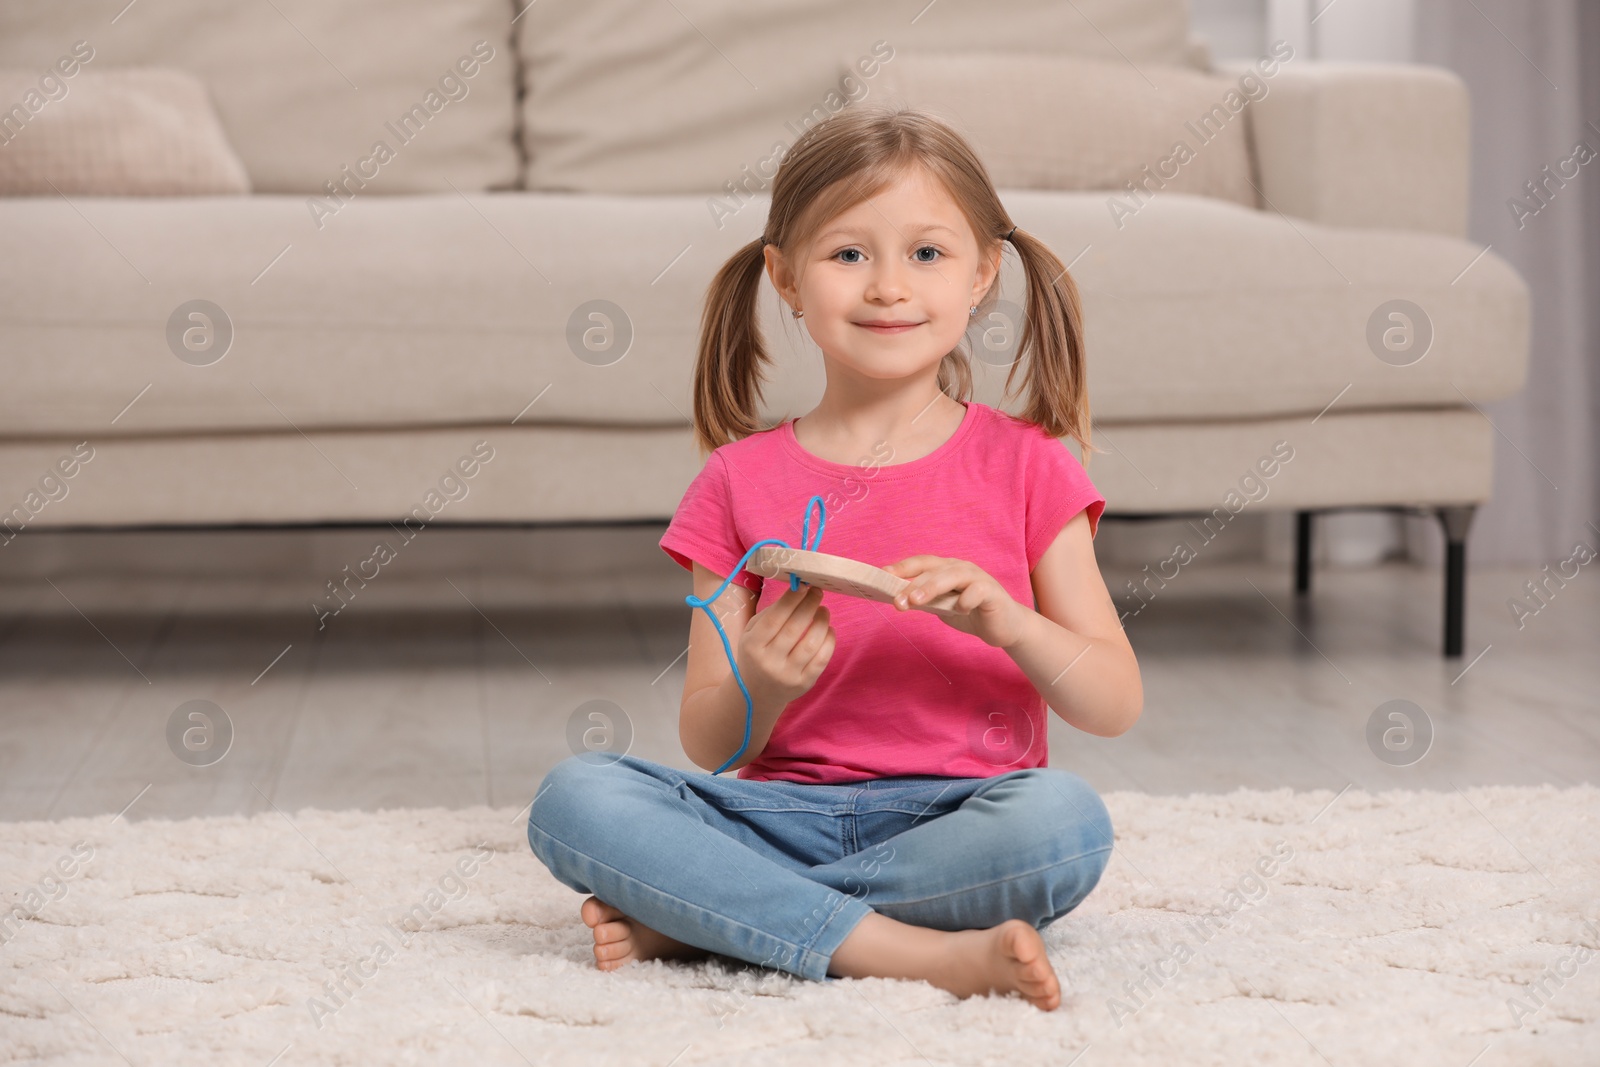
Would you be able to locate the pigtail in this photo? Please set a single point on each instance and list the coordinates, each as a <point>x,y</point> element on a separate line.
<point>728,373</point>
<point>1052,343</point>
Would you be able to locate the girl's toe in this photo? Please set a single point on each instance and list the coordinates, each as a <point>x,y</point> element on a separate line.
<point>596,911</point>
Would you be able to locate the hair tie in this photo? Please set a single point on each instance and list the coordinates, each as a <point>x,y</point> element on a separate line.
<point>1007,237</point>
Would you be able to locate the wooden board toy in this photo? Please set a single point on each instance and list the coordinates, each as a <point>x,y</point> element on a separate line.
<point>840,575</point>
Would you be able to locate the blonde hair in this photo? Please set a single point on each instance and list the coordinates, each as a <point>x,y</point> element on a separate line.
<point>836,164</point>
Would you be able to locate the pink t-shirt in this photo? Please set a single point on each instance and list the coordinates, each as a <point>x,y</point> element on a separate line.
<point>905,692</point>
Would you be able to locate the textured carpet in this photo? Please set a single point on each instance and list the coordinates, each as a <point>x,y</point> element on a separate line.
<point>1258,927</point>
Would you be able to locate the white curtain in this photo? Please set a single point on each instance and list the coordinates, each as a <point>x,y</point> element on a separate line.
<point>1533,69</point>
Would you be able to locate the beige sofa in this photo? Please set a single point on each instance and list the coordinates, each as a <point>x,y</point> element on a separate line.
<point>613,152</point>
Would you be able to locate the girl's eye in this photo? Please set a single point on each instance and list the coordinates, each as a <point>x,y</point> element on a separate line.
<point>857,251</point>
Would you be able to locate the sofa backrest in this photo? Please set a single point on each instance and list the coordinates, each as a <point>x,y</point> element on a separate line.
<point>703,96</point>
<point>621,96</point>
<point>307,88</point>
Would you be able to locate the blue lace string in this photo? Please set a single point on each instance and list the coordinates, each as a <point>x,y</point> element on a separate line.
<point>808,543</point>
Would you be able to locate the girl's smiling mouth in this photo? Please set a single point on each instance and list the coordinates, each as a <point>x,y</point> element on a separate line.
<point>889,326</point>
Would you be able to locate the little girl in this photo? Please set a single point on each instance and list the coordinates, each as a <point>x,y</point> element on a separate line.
<point>893,814</point>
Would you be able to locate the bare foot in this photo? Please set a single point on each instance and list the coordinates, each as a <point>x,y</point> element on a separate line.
<point>618,939</point>
<point>1003,959</point>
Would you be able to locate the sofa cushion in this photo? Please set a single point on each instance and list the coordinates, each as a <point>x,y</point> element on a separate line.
<point>563,473</point>
<point>306,89</point>
<point>138,131</point>
<point>444,310</point>
<point>641,97</point>
<point>1065,122</point>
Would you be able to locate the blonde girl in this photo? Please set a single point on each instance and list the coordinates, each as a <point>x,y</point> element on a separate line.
<point>893,813</point>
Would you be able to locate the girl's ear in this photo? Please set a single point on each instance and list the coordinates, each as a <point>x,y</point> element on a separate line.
<point>779,274</point>
<point>988,275</point>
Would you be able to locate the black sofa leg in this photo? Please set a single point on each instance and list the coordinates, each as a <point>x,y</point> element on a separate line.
<point>1302,551</point>
<point>1455,520</point>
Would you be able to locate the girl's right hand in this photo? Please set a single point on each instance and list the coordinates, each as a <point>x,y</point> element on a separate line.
<point>786,645</point>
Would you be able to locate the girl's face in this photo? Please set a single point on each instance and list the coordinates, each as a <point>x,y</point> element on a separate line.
<point>906,257</point>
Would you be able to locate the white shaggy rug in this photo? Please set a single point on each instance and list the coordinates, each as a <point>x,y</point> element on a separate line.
<point>1259,927</point>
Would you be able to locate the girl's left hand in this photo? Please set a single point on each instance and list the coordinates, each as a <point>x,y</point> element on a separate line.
<point>984,608</point>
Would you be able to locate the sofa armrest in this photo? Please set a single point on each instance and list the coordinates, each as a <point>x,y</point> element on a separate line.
<point>1380,145</point>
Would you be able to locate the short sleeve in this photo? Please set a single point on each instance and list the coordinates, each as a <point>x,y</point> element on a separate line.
<point>1056,488</point>
<point>703,530</point>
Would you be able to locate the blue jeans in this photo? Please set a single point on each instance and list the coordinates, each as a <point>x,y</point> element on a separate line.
<point>779,873</point>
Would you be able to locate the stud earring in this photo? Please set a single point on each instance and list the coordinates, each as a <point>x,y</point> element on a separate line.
<point>973,310</point>
<point>797,313</point>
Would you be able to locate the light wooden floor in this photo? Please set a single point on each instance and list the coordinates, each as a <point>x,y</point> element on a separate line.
<point>455,687</point>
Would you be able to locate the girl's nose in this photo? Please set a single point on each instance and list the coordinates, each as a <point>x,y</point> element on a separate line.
<point>887,283</point>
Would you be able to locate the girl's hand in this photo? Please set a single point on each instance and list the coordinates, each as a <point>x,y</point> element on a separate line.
<point>984,608</point>
<point>787,645</point>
